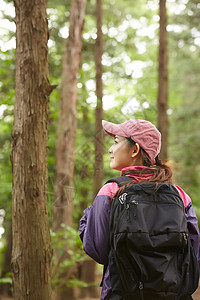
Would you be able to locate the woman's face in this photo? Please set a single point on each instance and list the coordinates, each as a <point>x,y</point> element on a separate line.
<point>121,154</point>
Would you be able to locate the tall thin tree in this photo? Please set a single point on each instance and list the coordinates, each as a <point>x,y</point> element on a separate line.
<point>66,133</point>
<point>88,267</point>
<point>31,252</point>
<point>162,101</point>
<point>99,135</point>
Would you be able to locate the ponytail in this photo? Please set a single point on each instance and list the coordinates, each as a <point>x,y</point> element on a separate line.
<point>160,172</point>
<point>163,172</point>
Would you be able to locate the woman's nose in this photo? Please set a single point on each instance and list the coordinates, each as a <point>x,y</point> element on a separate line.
<point>110,150</point>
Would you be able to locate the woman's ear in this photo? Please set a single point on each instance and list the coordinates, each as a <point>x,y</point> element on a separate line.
<point>135,150</point>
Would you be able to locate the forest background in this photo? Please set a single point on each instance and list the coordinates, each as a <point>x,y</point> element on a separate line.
<point>130,86</point>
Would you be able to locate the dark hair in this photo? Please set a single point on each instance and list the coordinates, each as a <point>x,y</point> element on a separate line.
<point>160,172</point>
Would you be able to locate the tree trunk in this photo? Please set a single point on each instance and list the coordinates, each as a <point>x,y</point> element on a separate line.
<point>162,102</point>
<point>65,144</point>
<point>86,268</point>
<point>89,275</point>
<point>31,253</point>
<point>99,134</point>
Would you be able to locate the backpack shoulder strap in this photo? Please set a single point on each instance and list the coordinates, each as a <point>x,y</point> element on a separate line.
<point>122,180</point>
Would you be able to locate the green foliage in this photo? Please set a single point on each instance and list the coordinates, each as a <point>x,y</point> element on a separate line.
<point>78,283</point>
<point>70,248</point>
<point>7,94</point>
<point>186,142</point>
<point>7,279</point>
<point>68,240</point>
<point>184,93</point>
<point>5,164</point>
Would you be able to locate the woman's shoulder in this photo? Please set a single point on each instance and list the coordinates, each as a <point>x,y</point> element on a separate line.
<point>184,196</point>
<point>109,189</point>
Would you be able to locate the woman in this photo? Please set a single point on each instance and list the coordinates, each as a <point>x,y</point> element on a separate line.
<point>135,152</point>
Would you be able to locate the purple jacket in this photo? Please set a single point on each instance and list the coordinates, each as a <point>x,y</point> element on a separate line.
<point>94,229</point>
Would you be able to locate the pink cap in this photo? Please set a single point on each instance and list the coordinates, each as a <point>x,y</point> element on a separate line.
<point>142,132</point>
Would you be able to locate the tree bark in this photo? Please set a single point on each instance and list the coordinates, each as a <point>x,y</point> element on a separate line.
<point>31,252</point>
<point>162,102</point>
<point>87,268</point>
<point>89,275</point>
<point>99,134</point>
<point>66,133</point>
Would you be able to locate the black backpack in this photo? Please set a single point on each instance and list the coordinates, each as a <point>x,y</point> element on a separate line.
<point>151,256</point>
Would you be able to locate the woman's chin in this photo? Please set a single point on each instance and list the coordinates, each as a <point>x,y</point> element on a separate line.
<point>114,167</point>
<point>111,165</point>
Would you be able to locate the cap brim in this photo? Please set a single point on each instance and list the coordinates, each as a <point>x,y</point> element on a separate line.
<point>113,129</point>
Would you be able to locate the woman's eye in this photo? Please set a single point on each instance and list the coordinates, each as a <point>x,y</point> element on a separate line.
<point>115,142</point>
